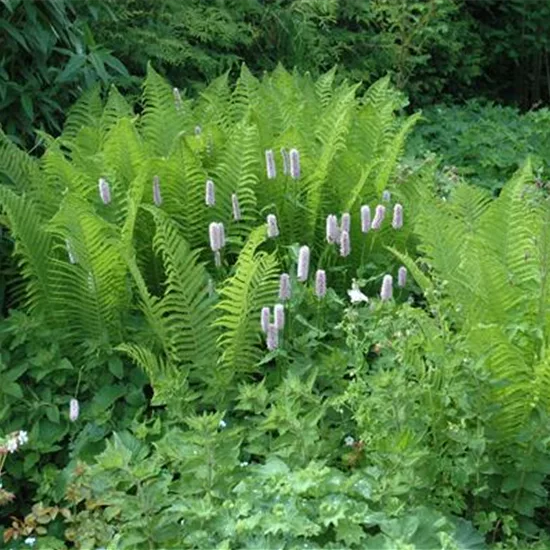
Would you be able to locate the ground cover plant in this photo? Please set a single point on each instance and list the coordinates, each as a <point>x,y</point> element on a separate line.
<point>482,143</point>
<point>246,325</point>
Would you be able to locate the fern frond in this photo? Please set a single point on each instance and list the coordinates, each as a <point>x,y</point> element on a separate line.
<point>17,168</point>
<point>331,133</point>
<point>253,286</point>
<point>85,113</point>
<point>124,152</point>
<point>116,108</point>
<point>243,95</point>
<point>32,247</point>
<point>237,172</point>
<point>392,153</point>
<point>324,87</point>
<point>214,109</point>
<point>183,182</point>
<point>90,296</point>
<point>186,305</point>
<point>161,121</point>
<point>168,382</point>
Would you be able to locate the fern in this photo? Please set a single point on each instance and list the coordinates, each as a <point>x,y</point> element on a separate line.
<point>253,286</point>
<point>185,306</point>
<point>490,258</point>
<point>32,248</point>
<point>392,154</point>
<point>324,87</point>
<point>161,121</point>
<point>85,114</point>
<point>91,295</point>
<point>160,254</point>
<point>16,167</point>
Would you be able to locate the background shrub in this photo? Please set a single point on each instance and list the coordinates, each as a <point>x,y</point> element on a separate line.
<point>48,58</point>
<point>482,143</point>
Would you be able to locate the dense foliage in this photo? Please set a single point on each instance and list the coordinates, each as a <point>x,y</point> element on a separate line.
<point>48,57</point>
<point>149,409</point>
<point>434,49</point>
<point>195,41</point>
<point>516,36</point>
<point>482,143</point>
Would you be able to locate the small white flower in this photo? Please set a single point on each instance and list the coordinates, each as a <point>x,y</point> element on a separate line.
<point>355,295</point>
<point>243,464</point>
<point>12,444</point>
<point>74,410</point>
<point>349,441</point>
<point>30,541</point>
<point>222,424</point>
<point>23,437</point>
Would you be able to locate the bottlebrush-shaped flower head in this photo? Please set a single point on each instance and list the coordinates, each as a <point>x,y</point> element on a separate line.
<point>210,193</point>
<point>320,283</point>
<point>303,263</point>
<point>332,231</point>
<point>104,191</point>
<point>284,287</point>
<point>157,197</point>
<point>272,227</point>
<point>215,236</point>
<point>294,164</point>
<point>365,218</point>
<point>402,276</point>
<point>379,215</point>
<point>386,292</point>
<point>279,316</point>
<point>397,221</point>
<point>270,164</point>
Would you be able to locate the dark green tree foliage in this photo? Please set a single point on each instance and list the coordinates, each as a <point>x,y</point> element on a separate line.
<point>48,57</point>
<point>425,43</point>
<point>516,37</point>
<point>434,48</point>
<point>193,41</point>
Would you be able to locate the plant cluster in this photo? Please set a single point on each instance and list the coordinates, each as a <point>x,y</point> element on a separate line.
<point>339,357</point>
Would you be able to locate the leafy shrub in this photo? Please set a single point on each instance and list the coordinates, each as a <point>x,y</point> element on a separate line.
<point>483,143</point>
<point>276,468</point>
<point>49,58</point>
<point>425,44</point>
<point>38,383</point>
<point>515,36</point>
<point>193,42</point>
